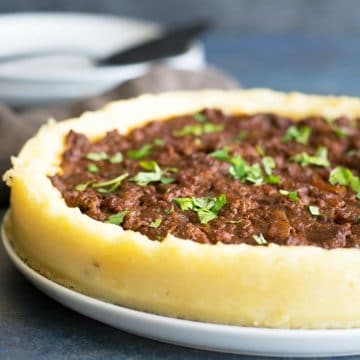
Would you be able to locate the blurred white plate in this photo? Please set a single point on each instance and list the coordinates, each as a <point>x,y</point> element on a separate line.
<point>62,78</point>
<point>224,338</point>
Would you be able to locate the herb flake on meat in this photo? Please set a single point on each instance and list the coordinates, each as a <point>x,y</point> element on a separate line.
<point>318,159</point>
<point>153,174</point>
<point>117,219</point>
<point>109,185</point>
<point>207,208</point>
<point>299,134</point>
<point>343,176</point>
<point>140,153</point>
<point>97,156</point>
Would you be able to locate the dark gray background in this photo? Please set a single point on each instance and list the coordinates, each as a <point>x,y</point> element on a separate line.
<point>301,16</point>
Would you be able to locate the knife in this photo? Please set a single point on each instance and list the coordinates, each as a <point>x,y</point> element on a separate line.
<point>171,42</point>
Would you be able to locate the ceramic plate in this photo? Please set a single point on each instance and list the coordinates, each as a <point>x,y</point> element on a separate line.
<point>66,77</point>
<point>224,338</point>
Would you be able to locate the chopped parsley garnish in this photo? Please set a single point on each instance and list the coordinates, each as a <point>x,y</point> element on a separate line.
<point>269,164</point>
<point>153,174</point>
<point>97,156</point>
<point>200,117</point>
<point>273,179</point>
<point>117,219</point>
<point>301,135</point>
<point>156,223</point>
<point>242,171</point>
<point>352,152</point>
<point>92,168</point>
<point>159,142</point>
<point>109,185</point>
<point>343,176</point>
<point>292,195</point>
<point>221,154</point>
<point>241,136</point>
<point>83,186</point>
<point>260,150</point>
<point>140,153</point>
<point>314,210</point>
<point>199,129</point>
<point>318,159</point>
<point>339,132</point>
<point>116,158</point>
<point>207,208</point>
<point>260,239</point>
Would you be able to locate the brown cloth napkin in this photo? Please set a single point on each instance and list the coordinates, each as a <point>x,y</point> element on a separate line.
<point>17,127</point>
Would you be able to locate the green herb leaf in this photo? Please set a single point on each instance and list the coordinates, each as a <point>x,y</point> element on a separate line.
<point>343,176</point>
<point>241,136</point>
<point>199,117</point>
<point>220,201</point>
<point>268,164</point>
<point>110,185</point>
<point>211,128</point>
<point>239,168</point>
<point>159,142</point>
<point>207,208</point>
<point>242,171</point>
<point>255,175</point>
<point>300,135</point>
<point>352,152</point>
<point>339,132</point>
<point>154,174</point>
<point>206,215</point>
<point>260,239</point>
<point>318,159</point>
<point>292,195</point>
<point>166,180</point>
<point>184,203</point>
<point>260,150</point>
<point>97,156</point>
<point>144,178</point>
<point>272,179</point>
<point>199,129</point>
<point>156,223</point>
<point>117,219</point>
<point>195,130</point>
<point>140,153</point>
<point>116,158</point>
<point>83,186</point>
<point>150,165</point>
<point>92,168</point>
<point>314,210</point>
<point>169,211</point>
<point>221,154</point>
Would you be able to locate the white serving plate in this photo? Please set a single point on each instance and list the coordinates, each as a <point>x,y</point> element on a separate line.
<point>199,335</point>
<point>63,78</point>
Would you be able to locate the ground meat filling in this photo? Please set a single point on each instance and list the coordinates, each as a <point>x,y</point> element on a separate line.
<point>212,177</point>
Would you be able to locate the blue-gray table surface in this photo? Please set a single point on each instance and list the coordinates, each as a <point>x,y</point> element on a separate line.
<point>34,326</point>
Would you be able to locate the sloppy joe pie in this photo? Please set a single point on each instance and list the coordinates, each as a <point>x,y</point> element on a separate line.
<point>235,207</point>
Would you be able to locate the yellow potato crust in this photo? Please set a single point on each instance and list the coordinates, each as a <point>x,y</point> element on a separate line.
<point>273,286</point>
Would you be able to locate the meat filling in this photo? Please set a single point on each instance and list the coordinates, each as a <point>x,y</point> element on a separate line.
<point>212,177</point>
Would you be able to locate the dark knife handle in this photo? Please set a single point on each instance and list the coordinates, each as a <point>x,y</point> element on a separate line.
<point>172,42</point>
